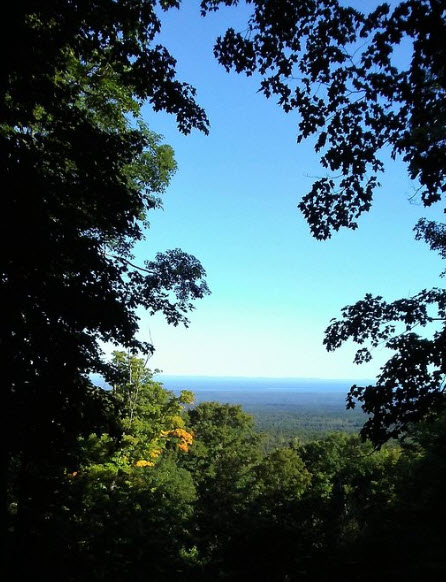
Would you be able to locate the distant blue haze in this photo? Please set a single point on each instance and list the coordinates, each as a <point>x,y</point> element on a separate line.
<point>266,393</point>
<point>248,384</point>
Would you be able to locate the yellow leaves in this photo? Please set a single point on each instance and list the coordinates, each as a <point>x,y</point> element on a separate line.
<point>185,438</point>
<point>153,454</point>
<point>143,463</point>
<point>181,433</point>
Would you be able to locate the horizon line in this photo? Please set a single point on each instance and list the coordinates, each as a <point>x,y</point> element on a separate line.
<point>318,378</point>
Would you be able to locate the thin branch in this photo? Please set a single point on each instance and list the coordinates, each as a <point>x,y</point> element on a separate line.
<point>123,260</point>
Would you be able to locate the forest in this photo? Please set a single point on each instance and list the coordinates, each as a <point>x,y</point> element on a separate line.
<point>177,491</point>
<point>135,482</point>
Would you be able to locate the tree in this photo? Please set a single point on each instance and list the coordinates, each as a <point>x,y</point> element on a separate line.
<point>226,448</point>
<point>81,171</point>
<point>129,502</point>
<point>338,68</point>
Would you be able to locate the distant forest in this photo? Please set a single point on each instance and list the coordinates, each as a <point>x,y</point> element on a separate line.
<point>283,416</point>
<point>282,424</point>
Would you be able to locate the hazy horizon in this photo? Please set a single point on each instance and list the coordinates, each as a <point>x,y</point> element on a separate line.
<point>160,376</point>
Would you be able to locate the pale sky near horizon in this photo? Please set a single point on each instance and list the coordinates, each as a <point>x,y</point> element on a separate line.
<point>233,204</point>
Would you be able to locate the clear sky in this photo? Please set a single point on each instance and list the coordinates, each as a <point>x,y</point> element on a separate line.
<point>233,204</point>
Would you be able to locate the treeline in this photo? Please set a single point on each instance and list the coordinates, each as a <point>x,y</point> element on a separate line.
<point>170,491</point>
<point>284,424</point>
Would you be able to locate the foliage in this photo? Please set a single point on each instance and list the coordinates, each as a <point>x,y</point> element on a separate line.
<point>137,502</point>
<point>335,66</point>
<point>342,70</point>
<point>410,385</point>
<point>81,172</point>
<point>225,450</point>
<point>129,499</point>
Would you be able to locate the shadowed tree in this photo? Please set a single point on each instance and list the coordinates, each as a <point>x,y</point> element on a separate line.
<point>80,172</point>
<point>225,450</point>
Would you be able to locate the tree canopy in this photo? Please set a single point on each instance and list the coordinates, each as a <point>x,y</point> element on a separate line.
<point>81,171</point>
<point>338,68</point>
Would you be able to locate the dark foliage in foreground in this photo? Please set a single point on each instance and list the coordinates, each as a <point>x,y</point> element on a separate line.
<point>185,493</point>
<point>80,172</point>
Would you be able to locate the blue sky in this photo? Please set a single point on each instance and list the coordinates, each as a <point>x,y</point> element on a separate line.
<point>233,204</point>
